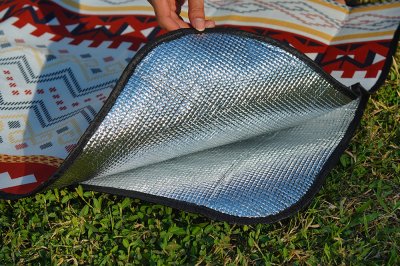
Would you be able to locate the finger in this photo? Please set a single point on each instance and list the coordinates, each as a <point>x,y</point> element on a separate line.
<point>182,24</point>
<point>210,24</point>
<point>168,23</point>
<point>163,13</point>
<point>174,5</point>
<point>196,14</point>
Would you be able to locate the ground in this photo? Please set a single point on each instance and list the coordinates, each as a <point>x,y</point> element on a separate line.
<point>353,220</point>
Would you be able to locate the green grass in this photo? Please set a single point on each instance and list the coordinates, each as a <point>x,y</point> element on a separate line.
<point>354,219</point>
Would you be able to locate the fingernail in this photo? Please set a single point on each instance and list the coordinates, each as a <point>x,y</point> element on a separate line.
<point>199,24</point>
<point>210,24</point>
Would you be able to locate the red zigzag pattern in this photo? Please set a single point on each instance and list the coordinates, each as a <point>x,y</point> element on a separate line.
<point>44,15</point>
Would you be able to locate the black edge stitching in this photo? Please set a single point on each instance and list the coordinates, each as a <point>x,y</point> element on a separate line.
<point>388,63</point>
<point>129,70</point>
<point>294,208</point>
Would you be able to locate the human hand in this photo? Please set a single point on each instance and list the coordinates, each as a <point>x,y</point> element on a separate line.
<point>167,13</point>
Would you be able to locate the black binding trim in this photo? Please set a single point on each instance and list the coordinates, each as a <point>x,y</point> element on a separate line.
<point>129,70</point>
<point>300,204</point>
<point>388,63</point>
<point>355,4</point>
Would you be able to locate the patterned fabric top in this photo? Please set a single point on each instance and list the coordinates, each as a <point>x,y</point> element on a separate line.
<point>60,60</point>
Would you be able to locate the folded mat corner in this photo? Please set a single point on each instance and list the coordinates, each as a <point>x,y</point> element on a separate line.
<point>224,121</point>
<point>227,123</point>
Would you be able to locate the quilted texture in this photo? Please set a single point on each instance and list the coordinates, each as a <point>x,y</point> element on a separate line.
<point>223,120</point>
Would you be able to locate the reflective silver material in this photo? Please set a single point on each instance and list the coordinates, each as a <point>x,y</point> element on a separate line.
<point>223,121</point>
<point>254,178</point>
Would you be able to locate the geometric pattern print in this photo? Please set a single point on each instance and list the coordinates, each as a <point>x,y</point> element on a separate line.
<point>18,87</point>
<point>59,80</point>
<point>55,75</point>
<point>49,17</point>
<point>306,13</point>
<point>57,72</point>
<point>356,62</point>
<point>22,174</point>
<point>371,22</point>
<point>302,12</point>
<point>47,160</point>
<point>349,63</point>
<point>53,94</point>
<point>17,132</point>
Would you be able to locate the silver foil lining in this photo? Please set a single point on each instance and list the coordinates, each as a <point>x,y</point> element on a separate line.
<point>223,121</point>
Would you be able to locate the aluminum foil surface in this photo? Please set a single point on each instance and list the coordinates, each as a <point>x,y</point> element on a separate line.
<point>230,123</point>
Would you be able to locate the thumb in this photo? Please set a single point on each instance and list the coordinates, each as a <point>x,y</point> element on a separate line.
<point>196,14</point>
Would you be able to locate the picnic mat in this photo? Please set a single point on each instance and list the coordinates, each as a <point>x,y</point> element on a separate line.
<point>240,123</point>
